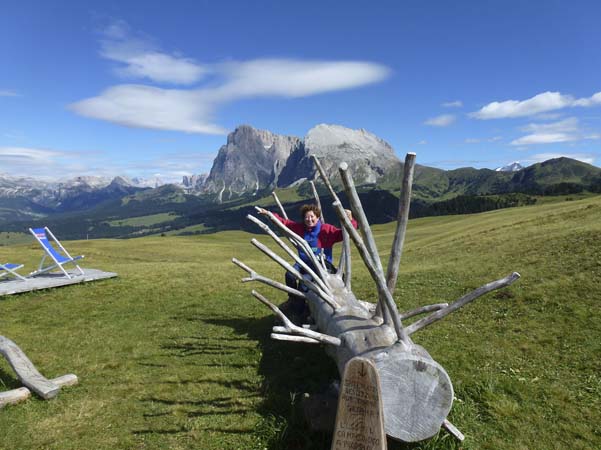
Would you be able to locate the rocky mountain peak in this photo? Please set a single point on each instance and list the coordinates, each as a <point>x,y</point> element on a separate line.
<point>513,167</point>
<point>251,160</point>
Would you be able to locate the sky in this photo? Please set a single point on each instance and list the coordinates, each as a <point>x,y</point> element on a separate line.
<point>152,88</point>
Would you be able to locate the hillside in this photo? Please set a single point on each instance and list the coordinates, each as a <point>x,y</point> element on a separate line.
<point>435,192</point>
<point>175,353</point>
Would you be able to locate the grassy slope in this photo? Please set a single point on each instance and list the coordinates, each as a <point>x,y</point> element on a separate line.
<point>175,353</point>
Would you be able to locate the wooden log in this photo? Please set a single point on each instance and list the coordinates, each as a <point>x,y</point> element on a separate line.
<point>26,371</point>
<point>20,394</point>
<point>417,393</point>
<point>14,396</point>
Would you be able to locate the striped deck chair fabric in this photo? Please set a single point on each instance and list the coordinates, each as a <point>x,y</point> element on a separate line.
<point>59,257</point>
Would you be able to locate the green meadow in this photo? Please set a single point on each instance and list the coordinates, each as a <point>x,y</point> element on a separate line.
<point>175,352</point>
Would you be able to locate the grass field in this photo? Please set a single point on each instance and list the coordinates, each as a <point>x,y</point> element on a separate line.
<point>175,353</point>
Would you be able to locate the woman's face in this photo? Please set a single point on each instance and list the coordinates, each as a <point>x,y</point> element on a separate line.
<point>310,219</point>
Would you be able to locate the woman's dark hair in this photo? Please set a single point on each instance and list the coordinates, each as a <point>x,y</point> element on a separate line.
<point>306,208</point>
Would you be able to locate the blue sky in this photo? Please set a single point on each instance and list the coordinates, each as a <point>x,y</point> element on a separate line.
<point>151,88</point>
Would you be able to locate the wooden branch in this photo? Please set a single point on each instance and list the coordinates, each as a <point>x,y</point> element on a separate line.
<point>423,309</point>
<point>359,215</point>
<point>305,247</point>
<point>452,429</point>
<point>317,201</point>
<point>416,326</point>
<point>289,338</point>
<point>383,293</point>
<point>345,259</point>
<point>254,276</point>
<point>293,329</point>
<point>290,253</point>
<point>324,178</point>
<point>14,396</point>
<point>26,371</point>
<point>322,295</point>
<point>18,395</point>
<point>402,219</point>
<point>277,201</point>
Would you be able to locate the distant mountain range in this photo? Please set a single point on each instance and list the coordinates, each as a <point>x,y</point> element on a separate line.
<point>253,162</point>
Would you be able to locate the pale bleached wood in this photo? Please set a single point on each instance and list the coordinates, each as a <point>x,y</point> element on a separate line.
<point>254,276</point>
<point>416,326</point>
<point>359,417</point>
<point>317,201</point>
<point>26,371</point>
<point>417,392</point>
<point>69,379</point>
<point>345,255</point>
<point>290,338</point>
<point>294,329</point>
<point>300,241</point>
<point>277,201</point>
<point>14,396</point>
<point>324,178</point>
<point>288,250</point>
<point>359,215</point>
<point>20,394</point>
<point>402,219</point>
<point>453,430</point>
<point>423,310</point>
<point>377,275</point>
<point>322,294</point>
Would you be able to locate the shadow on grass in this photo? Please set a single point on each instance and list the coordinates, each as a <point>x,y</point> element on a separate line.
<point>288,369</point>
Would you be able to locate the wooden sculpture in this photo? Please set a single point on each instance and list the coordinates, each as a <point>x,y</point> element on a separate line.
<point>417,393</point>
<point>29,376</point>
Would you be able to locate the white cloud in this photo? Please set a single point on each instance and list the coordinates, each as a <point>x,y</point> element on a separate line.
<point>563,126</point>
<point>541,103</point>
<point>472,141</point>
<point>151,107</point>
<point>27,155</point>
<point>294,78</point>
<point>455,104</point>
<point>443,120</point>
<point>8,93</point>
<point>422,142</point>
<point>192,110</point>
<point>143,60</point>
<point>567,130</point>
<point>543,138</point>
<point>584,157</point>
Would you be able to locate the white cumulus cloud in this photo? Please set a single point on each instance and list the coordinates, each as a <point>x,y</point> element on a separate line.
<point>443,120</point>
<point>141,59</point>
<point>566,130</point>
<point>541,103</point>
<point>151,107</point>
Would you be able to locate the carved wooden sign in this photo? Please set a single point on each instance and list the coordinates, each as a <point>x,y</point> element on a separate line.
<point>359,419</point>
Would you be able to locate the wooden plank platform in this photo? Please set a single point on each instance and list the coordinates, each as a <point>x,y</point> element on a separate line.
<point>52,280</point>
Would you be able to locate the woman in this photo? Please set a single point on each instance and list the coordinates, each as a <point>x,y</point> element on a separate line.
<point>320,236</point>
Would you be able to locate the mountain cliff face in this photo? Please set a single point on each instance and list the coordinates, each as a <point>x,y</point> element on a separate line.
<point>251,160</point>
<point>369,158</point>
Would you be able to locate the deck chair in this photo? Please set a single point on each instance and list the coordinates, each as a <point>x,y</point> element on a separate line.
<point>10,269</point>
<point>41,235</point>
